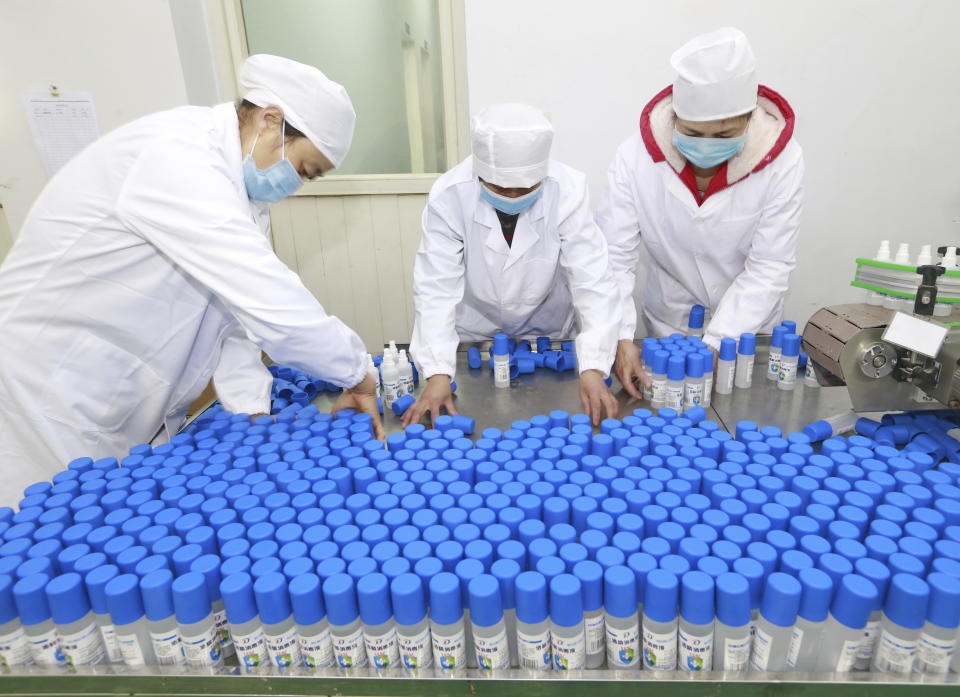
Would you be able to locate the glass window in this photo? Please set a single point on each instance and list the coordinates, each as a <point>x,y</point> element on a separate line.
<point>386,53</point>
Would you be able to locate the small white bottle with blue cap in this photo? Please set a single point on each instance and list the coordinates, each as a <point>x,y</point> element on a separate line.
<point>34,611</point>
<point>346,632</point>
<point>157,590</point>
<point>276,617</point>
<point>726,366</point>
<point>776,352</point>
<point>80,639</point>
<point>446,622</point>
<point>708,376</point>
<point>620,618</point>
<point>590,575</point>
<point>774,631</point>
<point>14,648</point>
<point>567,635</point>
<point>501,360</point>
<point>660,600</point>
<point>376,614</point>
<point>209,566</point>
<point>198,630</point>
<point>658,379</point>
<point>390,378</point>
<point>306,600</point>
<point>240,604</point>
<point>695,635</point>
<point>789,359</point>
<point>676,372</point>
<point>904,615</point>
<point>938,639</point>
<point>646,355</point>
<point>843,632</point>
<point>746,354</point>
<point>810,374</point>
<point>506,572</point>
<point>96,583</point>
<point>405,375</point>
<point>695,323</point>
<point>413,626</point>
<point>694,385</point>
<point>816,591</point>
<point>487,625</point>
<point>129,621</point>
<point>533,622</point>
<point>732,637</point>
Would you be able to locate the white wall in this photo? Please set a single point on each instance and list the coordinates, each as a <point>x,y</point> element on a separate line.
<point>873,83</point>
<point>123,53</point>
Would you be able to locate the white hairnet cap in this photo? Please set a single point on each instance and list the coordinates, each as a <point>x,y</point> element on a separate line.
<point>511,145</point>
<point>716,76</point>
<point>313,103</point>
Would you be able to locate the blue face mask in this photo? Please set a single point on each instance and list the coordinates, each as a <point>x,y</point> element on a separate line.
<point>274,183</point>
<point>707,152</point>
<point>510,206</point>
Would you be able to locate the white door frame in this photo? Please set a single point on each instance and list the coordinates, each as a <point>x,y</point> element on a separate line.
<point>455,105</point>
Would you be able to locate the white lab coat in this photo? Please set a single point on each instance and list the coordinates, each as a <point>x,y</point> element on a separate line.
<point>468,284</point>
<point>732,253</point>
<point>142,271</point>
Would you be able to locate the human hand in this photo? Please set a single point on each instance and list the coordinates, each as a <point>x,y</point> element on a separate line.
<point>435,395</point>
<point>595,396</point>
<point>363,398</point>
<point>629,368</point>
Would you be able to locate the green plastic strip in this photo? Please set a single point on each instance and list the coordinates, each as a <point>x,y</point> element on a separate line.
<point>896,293</point>
<point>899,267</point>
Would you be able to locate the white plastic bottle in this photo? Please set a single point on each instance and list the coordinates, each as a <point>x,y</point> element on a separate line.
<point>843,631</point>
<point>346,631</point>
<point>693,386</point>
<point>810,374</point>
<point>815,595</point>
<point>660,623</point>
<point>246,630</point>
<point>486,619</point>
<point>501,360</point>
<point>695,323</point>
<point>157,590</point>
<point>676,372</point>
<point>658,379</point>
<point>390,375</point>
<point>80,638</point>
<point>198,630</point>
<point>14,649</point>
<point>306,600</point>
<point>746,352</point>
<point>938,639</point>
<point>708,377</point>
<point>34,610</point>
<point>405,371</point>
<point>904,615</point>
<point>776,350</point>
<point>697,614</point>
<point>373,373</point>
<point>96,582</point>
<point>731,641</point>
<point>129,621</point>
<point>376,615</point>
<point>413,626</point>
<point>276,617</point>
<point>774,631</point>
<point>446,622</point>
<point>726,366</point>
<point>566,623</point>
<point>533,622</point>
<point>903,254</point>
<point>789,358</point>
<point>621,619</point>
<point>649,347</point>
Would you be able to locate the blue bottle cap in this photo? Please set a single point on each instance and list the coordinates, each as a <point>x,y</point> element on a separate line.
<point>791,345</point>
<point>748,344</point>
<point>373,596</point>
<point>694,365</point>
<point>157,590</point>
<point>272,597</point>
<point>486,607</point>
<point>781,599</point>
<point>306,599</point>
<point>817,590</point>
<point>776,339</point>
<point>696,597</point>
<point>696,317</point>
<point>590,575</point>
<point>728,349</point>
<point>501,345</point>
<point>676,369</point>
<point>191,601</point>
<point>943,608</point>
<point>239,599</point>
<point>566,601</point>
<point>96,582</point>
<point>907,601</point>
<point>506,572</point>
<point>661,595</point>
<point>531,597</point>
<point>658,362</point>
<point>619,591</point>
<point>122,594</point>
<point>734,607</point>
<point>854,600</point>
<point>446,605</point>
<point>67,598</point>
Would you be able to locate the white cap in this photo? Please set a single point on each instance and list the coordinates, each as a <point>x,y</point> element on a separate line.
<point>311,102</point>
<point>926,255</point>
<point>511,145</point>
<point>716,76</point>
<point>950,259</point>
<point>903,253</point>
<point>883,254</point>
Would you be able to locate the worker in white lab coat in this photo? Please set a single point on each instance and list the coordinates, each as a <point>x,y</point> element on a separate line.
<point>712,184</point>
<point>144,269</point>
<point>509,245</point>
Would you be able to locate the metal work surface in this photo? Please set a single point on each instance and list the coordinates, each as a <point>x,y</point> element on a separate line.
<point>531,394</point>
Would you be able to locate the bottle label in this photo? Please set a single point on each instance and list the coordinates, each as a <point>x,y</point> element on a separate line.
<point>796,641</point>
<point>202,650</point>
<point>382,649</point>
<point>707,387</point>
<point>696,652</point>
<point>693,396</point>
<point>847,656</point>
<point>130,649</point>
<point>317,651</point>
<point>736,653</point>
<point>725,372</point>
<point>534,650</point>
<point>83,648</point>
<point>623,650</point>
<point>501,371</point>
<point>390,393</point>
<point>895,655</point>
<point>658,389</point>
<point>934,655</point>
<point>349,651</point>
<point>223,628</point>
<point>109,636</point>
<point>674,396</point>
<point>406,386</point>
<point>251,649</point>
<point>596,634</point>
<point>569,653</point>
<point>760,654</point>
<point>449,652</point>
<point>45,648</point>
<point>745,370</point>
<point>14,649</point>
<point>867,645</point>
<point>647,391</point>
<point>809,372</point>
<point>773,364</point>
<point>415,650</point>
<point>493,653</point>
<point>788,373</point>
<point>166,647</point>
<point>284,648</point>
<point>660,650</point>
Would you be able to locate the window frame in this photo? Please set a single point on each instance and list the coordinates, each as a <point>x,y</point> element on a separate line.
<point>452,31</point>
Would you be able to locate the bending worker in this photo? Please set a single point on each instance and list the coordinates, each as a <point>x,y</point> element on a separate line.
<point>509,245</point>
<point>145,269</point>
<point>713,184</point>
